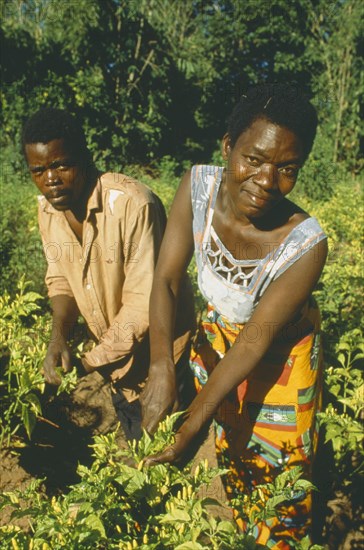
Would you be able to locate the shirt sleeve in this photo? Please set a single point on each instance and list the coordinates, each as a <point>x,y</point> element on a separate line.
<point>55,281</point>
<point>141,246</point>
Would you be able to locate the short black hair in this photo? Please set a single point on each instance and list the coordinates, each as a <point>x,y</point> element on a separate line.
<point>50,123</point>
<point>283,104</point>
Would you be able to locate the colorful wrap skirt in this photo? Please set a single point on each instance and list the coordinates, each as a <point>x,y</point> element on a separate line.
<point>268,424</point>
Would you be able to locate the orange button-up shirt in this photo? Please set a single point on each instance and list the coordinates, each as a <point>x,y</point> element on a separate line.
<point>110,273</point>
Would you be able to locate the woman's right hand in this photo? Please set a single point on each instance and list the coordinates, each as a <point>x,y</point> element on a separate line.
<point>159,396</point>
<point>172,453</point>
<point>58,353</point>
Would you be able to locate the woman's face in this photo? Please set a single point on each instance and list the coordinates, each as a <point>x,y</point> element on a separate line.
<point>262,167</point>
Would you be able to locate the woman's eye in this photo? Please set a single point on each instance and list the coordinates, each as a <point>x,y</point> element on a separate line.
<point>289,171</point>
<point>253,161</point>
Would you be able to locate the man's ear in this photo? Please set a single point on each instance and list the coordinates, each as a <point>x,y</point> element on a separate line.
<point>225,147</point>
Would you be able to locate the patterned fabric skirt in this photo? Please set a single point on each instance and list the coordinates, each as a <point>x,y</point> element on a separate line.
<point>268,424</point>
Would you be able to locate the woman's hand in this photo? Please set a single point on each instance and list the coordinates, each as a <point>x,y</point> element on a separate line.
<point>171,454</point>
<point>159,396</point>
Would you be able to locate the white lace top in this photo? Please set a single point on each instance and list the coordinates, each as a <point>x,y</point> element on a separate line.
<point>233,286</point>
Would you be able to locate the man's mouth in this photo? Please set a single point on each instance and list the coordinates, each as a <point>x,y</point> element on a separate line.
<point>59,198</point>
<point>57,195</point>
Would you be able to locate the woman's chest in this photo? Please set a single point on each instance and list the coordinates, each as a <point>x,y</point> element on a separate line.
<point>246,243</point>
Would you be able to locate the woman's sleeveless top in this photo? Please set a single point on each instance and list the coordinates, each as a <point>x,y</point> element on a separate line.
<point>233,286</point>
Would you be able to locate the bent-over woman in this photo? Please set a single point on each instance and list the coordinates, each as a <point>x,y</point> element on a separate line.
<point>257,356</point>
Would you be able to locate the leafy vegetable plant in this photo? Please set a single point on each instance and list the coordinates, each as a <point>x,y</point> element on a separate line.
<point>23,346</point>
<point>121,504</point>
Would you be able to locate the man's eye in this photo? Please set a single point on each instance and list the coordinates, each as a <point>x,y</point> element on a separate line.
<point>37,171</point>
<point>62,167</point>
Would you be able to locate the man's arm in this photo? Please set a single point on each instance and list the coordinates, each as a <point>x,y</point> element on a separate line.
<point>64,316</point>
<point>64,311</point>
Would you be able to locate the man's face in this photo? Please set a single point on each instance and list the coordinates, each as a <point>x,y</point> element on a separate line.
<point>57,173</point>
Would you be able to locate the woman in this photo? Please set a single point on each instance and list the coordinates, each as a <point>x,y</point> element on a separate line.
<point>256,359</point>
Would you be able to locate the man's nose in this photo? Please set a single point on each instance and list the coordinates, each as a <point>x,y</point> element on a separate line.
<point>267,176</point>
<point>52,176</point>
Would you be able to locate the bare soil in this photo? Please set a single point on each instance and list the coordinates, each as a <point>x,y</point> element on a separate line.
<point>62,441</point>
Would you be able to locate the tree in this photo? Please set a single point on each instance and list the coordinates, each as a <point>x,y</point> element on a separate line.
<point>333,56</point>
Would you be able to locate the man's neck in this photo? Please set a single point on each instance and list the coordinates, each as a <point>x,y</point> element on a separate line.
<point>79,210</point>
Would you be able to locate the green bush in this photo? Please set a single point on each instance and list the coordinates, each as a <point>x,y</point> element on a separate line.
<point>20,246</point>
<point>24,338</point>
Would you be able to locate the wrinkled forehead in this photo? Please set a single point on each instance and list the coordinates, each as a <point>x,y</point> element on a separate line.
<point>265,134</point>
<point>55,149</point>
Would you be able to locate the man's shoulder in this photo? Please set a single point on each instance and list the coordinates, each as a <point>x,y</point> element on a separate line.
<point>126,188</point>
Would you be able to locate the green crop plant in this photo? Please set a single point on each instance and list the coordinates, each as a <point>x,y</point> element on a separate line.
<point>343,415</point>
<point>23,346</point>
<point>119,505</point>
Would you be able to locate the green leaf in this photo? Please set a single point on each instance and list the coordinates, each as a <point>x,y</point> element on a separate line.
<point>131,479</point>
<point>25,380</point>
<point>226,527</point>
<point>32,297</point>
<point>29,420</point>
<point>176,515</point>
<point>35,403</point>
<point>94,522</point>
<point>190,546</point>
<point>304,485</point>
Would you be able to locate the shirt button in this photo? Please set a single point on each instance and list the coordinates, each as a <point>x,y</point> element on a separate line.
<point>88,286</point>
<point>94,312</point>
<point>80,260</point>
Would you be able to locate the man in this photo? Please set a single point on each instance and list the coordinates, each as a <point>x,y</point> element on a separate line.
<point>101,235</point>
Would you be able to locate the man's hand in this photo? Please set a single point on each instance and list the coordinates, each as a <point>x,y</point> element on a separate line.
<point>159,396</point>
<point>86,365</point>
<point>58,353</point>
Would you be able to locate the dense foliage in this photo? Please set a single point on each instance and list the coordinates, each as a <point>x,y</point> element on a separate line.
<point>156,77</point>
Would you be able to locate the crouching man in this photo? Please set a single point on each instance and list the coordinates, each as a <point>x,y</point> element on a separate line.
<point>101,234</point>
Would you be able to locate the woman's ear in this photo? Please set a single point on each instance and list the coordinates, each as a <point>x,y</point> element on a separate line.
<point>225,147</point>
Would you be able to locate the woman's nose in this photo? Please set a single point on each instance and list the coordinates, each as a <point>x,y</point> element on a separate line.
<point>267,176</point>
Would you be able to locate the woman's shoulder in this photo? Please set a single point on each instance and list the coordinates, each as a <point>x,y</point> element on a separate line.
<point>291,224</point>
<point>205,170</point>
<point>204,177</point>
<point>299,218</point>
<point>302,229</point>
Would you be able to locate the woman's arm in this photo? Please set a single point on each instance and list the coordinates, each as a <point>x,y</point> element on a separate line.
<point>279,305</point>
<point>159,396</point>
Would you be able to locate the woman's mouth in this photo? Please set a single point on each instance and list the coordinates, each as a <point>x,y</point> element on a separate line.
<point>259,200</point>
